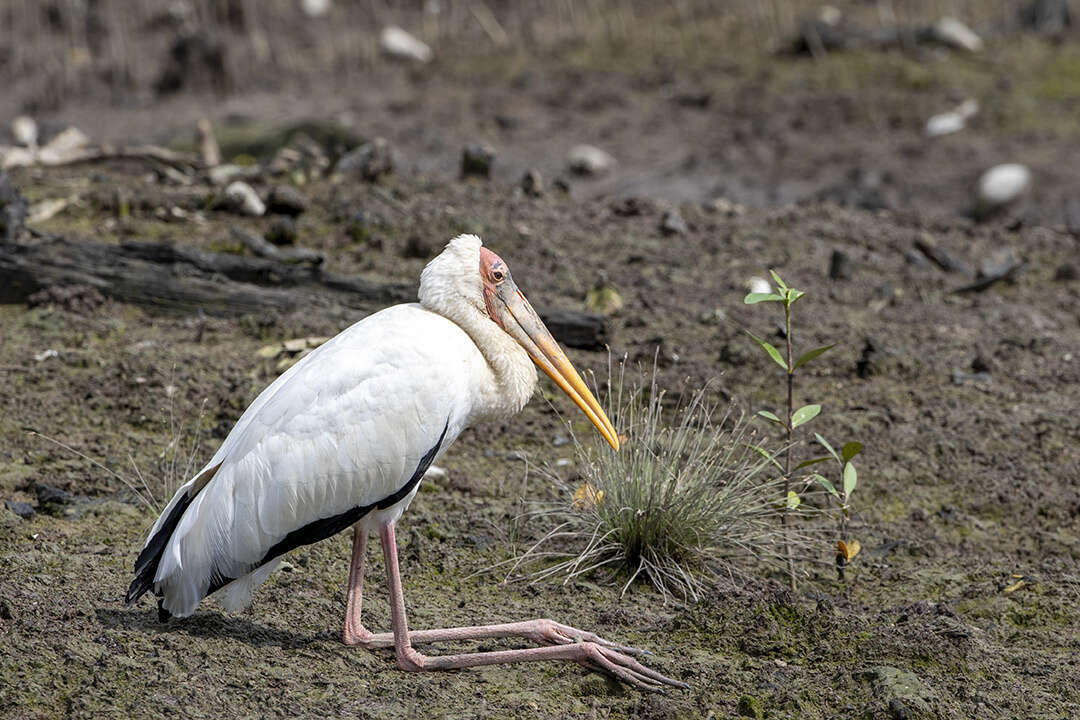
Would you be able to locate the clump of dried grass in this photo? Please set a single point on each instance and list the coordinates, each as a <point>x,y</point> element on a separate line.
<point>685,499</point>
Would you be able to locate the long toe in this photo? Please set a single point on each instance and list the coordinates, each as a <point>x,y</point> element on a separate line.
<point>626,669</point>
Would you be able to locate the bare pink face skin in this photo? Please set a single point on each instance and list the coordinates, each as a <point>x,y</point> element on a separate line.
<point>493,272</point>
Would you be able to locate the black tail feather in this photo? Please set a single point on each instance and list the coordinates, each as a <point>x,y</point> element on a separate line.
<point>147,564</point>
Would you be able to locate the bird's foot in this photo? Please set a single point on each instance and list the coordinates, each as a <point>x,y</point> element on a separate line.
<point>550,632</point>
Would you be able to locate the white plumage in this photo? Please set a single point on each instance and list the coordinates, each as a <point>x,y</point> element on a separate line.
<point>343,428</point>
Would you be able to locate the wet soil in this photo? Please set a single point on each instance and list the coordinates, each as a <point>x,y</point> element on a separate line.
<point>965,601</point>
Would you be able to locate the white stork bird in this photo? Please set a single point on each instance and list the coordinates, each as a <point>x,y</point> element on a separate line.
<point>343,439</point>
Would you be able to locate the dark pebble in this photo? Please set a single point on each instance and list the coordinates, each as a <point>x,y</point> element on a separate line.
<point>286,200</point>
<point>532,183</point>
<point>282,231</point>
<point>51,500</point>
<point>839,265</point>
<point>672,223</point>
<point>477,159</point>
<point>22,509</point>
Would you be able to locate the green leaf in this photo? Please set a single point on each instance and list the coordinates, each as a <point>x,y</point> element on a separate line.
<point>850,480</point>
<point>850,450</point>
<point>767,455</point>
<point>812,461</point>
<point>793,295</point>
<point>755,298</point>
<point>827,485</point>
<point>810,355</point>
<point>793,500</point>
<point>804,415</point>
<point>779,283</point>
<point>772,351</point>
<point>770,416</point>
<point>827,446</point>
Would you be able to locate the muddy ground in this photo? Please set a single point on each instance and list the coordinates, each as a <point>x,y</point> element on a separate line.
<point>966,402</point>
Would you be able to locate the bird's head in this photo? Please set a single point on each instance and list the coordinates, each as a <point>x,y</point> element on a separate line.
<point>488,285</point>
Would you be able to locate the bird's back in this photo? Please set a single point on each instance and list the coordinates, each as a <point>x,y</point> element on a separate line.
<point>345,433</point>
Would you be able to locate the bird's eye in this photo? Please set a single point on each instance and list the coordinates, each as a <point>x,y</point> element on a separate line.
<point>497,275</point>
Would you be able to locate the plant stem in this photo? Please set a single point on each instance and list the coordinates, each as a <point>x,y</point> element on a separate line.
<point>787,454</point>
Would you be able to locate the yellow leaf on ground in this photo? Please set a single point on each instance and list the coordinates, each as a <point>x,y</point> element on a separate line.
<point>848,550</point>
<point>587,497</point>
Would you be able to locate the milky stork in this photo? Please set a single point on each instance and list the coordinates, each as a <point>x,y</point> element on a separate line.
<point>344,437</point>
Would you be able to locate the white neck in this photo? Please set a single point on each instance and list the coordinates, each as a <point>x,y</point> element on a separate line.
<point>512,378</point>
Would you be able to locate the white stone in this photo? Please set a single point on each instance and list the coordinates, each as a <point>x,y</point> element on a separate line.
<point>589,160</point>
<point>316,8</point>
<point>244,198</point>
<point>397,43</point>
<point>950,31</point>
<point>25,131</point>
<point>952,121</point>
<point>63,147</point>
<point>1002,184</point>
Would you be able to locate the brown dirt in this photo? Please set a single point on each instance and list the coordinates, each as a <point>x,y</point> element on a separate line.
<point>964,484</point>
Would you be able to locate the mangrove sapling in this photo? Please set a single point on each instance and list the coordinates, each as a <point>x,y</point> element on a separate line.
<point>794,418</point>
<point>680,503</point>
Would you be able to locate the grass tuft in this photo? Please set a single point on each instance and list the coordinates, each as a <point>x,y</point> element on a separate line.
<point>682,502</point>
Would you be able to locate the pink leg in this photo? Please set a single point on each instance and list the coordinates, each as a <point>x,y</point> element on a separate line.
<point>355,633</point>
<point>588,652</point>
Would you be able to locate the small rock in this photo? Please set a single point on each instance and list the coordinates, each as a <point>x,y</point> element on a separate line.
<point>532,184</point>
<point>560,440</point>
<point>476,160</point>
<point>397,43</point>
<point>243,199</point>
<point>586,331</point>
<point>633,206</point>
<point>672,223</point>
<point>370,161</point>
<point>998,264</point>
<point>286,200</point>
<point>52,500</point>
<point>589,160</point>
<point>839,265</point>
<point>63,146</point>
<point>316,8</point>
<point>25,131</point>
<point>1001,185</point>
<point>955,34</point>
<point>22,509</point>
<point>952,121</point>
<point>282,231</point>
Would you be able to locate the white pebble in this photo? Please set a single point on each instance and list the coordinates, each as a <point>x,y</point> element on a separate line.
<point>244,199</point>
<point>589,160</point>
<point>759,285</point>
<point>400,44</point>
<point>950,31</point>
<point>1002,184</point>
<point>25,131</point>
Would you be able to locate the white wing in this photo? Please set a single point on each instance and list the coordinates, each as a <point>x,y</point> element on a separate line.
<point>344,430</point>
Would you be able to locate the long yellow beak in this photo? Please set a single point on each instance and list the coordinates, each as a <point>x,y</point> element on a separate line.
<point>523,324</point>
